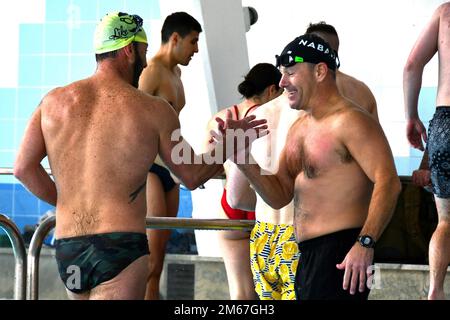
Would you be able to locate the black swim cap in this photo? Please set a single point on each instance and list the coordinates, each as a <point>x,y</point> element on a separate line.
<point>307,48</point>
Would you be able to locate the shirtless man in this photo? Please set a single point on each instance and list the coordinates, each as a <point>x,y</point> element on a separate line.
<point>338,168</point>
<point>273,234</point>
<point>162,77</point>
<point>434,38</point>
<point>101,135</point>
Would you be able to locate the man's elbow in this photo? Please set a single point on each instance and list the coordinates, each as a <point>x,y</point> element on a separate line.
<point>191,182</point>
<point>20,171</point>
<point>397,186</point>
<point>411,67</point>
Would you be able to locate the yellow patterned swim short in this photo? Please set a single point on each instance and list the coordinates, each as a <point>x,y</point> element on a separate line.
<point>274,257</point>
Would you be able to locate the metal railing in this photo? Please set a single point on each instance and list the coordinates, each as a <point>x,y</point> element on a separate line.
<point>10,171</point>
<point>20,253</point>
<point>152,223</point>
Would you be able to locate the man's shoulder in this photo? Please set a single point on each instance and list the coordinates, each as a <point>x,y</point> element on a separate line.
<point>352,116</point>
<point>356,90</point>
<point>73,89</point>
<point>350,80</point>
<point>157,64</point>
<point>154,68</point>
<point>149,100</point>
<point>443,8</point>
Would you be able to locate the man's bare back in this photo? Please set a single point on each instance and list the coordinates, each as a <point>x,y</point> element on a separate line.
<point>88,161</point>
<point>357,91</point>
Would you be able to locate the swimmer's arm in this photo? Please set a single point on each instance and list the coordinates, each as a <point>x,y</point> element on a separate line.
<point>27,166</point>
<point>208,141</point>
<point>422,52</point>
<point>240,195</point>
<point>195,169</point>
<point>192,169</point>
<point>276,190</point>
<point>373,108</point>
<point>369,147</point>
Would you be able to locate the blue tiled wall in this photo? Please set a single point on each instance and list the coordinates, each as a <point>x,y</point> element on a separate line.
<point>53,53</point>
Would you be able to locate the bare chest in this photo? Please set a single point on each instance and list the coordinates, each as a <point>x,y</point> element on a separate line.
<point>172,90</point>
<point>313,153</point>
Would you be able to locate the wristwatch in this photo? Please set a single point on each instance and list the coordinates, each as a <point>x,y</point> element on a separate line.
<point>366,241</point>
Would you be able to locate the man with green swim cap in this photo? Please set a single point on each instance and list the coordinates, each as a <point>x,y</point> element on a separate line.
<point>101,134</point>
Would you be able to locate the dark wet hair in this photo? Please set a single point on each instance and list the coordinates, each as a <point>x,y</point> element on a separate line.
<point>325,28</point>
<point>106,55</point>
<point>258,79</point>
<point>181,23</point>
<point>321,26</point>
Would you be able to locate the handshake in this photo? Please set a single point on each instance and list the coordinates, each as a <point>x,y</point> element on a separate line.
<point>235,137</point>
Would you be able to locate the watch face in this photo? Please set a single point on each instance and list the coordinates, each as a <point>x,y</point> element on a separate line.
<point>367,241</point>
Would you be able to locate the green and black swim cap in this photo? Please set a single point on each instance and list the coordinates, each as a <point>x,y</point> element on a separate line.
<point>307,48</point>
<point>117,30</point>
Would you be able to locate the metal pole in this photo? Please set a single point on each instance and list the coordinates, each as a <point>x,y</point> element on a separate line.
<point>10,171</point>
<point>198,224</point>
<point>34,252</point>
<point>20,253</point>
